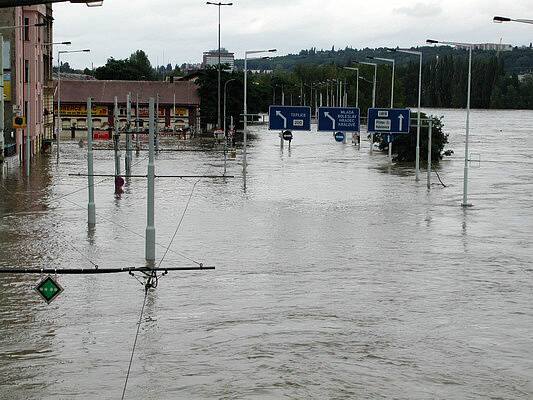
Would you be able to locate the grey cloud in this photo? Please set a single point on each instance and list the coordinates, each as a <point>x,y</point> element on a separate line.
<point>419,10</point>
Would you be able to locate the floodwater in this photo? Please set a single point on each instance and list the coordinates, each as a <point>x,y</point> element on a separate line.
<point>337,276</point>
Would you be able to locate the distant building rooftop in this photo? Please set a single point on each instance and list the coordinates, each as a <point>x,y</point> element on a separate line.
<point>69,76</point>
<point>77,91</point>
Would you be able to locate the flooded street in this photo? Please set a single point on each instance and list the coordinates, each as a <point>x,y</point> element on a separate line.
<point>337,276</point>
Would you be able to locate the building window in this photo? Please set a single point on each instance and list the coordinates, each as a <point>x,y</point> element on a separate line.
<point>26,71</point>
<point>26,29</point>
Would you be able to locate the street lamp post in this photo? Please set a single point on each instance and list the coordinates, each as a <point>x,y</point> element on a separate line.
<point>60,125</point>
<point>465,177</point>
<point>393,62</point>
<point>225,92</point>
<point>419,54</point>
<point>356,84</point>
<point>373,98</point>
<point>245,130</point>
<point>219,5</point>
<point>500,20</point>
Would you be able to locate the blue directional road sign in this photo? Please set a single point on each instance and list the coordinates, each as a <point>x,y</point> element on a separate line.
<point>389,120</point>
<point>289,117</point>
<point>333,119</point>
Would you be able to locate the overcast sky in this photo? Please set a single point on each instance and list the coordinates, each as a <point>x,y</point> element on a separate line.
<point>178,31</point>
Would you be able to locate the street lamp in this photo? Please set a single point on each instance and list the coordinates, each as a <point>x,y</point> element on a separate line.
<point>60,124</point>
<point>393,62</point>
<point>356,85</point>
<point>470,47</point>
<point>373,98</point>
<point>219,68</point>
<point>500,20</point>
<point>419,54</point>
<point>225,91</point>
<point>57,44</point>
<point>16,3</point>
<point>245,133</point>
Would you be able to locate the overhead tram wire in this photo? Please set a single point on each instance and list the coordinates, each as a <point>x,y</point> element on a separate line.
<point>150,283</point>
<point>136,233</point>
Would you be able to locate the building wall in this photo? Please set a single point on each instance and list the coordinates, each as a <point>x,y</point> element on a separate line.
<point>28,59</point>
<point>75,114</point>
<point>8,18</point>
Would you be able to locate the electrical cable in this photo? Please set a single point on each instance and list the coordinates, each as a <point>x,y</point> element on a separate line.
<point>440,180</point>
<point>135,341</point>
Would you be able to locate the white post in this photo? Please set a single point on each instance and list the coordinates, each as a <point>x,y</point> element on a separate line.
<point>373,106</point>
<point>28,123</point>
<point>137,131</point>
<point>430,134</point>
<point>116,139</point>
<point>150,203</point>
<point>357,89</point>
<point>465,179</point>
<point>128,135</point>
<point>90,170</point>
<point>392,106</point>
<point>59,122</point>
<point>2,103</point>
<point>245,116</point>
<point>417,166</point>
<point>157,124</point>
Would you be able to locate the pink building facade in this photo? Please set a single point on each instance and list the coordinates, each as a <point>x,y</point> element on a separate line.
<point>30,88</point>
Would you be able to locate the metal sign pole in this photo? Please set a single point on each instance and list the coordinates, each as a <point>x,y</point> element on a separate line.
<point>157,125</point>
<point>90,178</point>
<point>137,115</point>
<point>128,135</point>
<point>150,206</point>
<point>430,134</point>
<point>116,139</point>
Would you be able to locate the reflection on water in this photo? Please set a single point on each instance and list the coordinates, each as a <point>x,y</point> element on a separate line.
<point>337,276</point>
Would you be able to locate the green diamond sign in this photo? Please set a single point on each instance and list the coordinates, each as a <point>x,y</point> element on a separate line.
<point>49,289</point>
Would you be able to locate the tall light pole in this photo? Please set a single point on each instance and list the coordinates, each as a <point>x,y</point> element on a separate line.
<point>499,20</point>
<point>59,122</point>
<point>245,131</point>
<point>373,98</point>
<point>16,3</point>
<point>356,84</point>
<point>393,62</point>
<point>470,46</point>
<point>419,54</point>
<point>219,67</point>
<point>225,92</point>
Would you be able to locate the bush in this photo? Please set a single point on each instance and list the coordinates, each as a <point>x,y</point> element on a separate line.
<point>404,146</point>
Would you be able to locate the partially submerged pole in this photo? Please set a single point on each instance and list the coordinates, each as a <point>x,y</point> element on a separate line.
<point>157,125</point>
<point>128,136</point>
<point>90,172</point>
<point>150,206</point>
<point>430,134</point>
<point>116,141</point>
<point>137,115</point>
